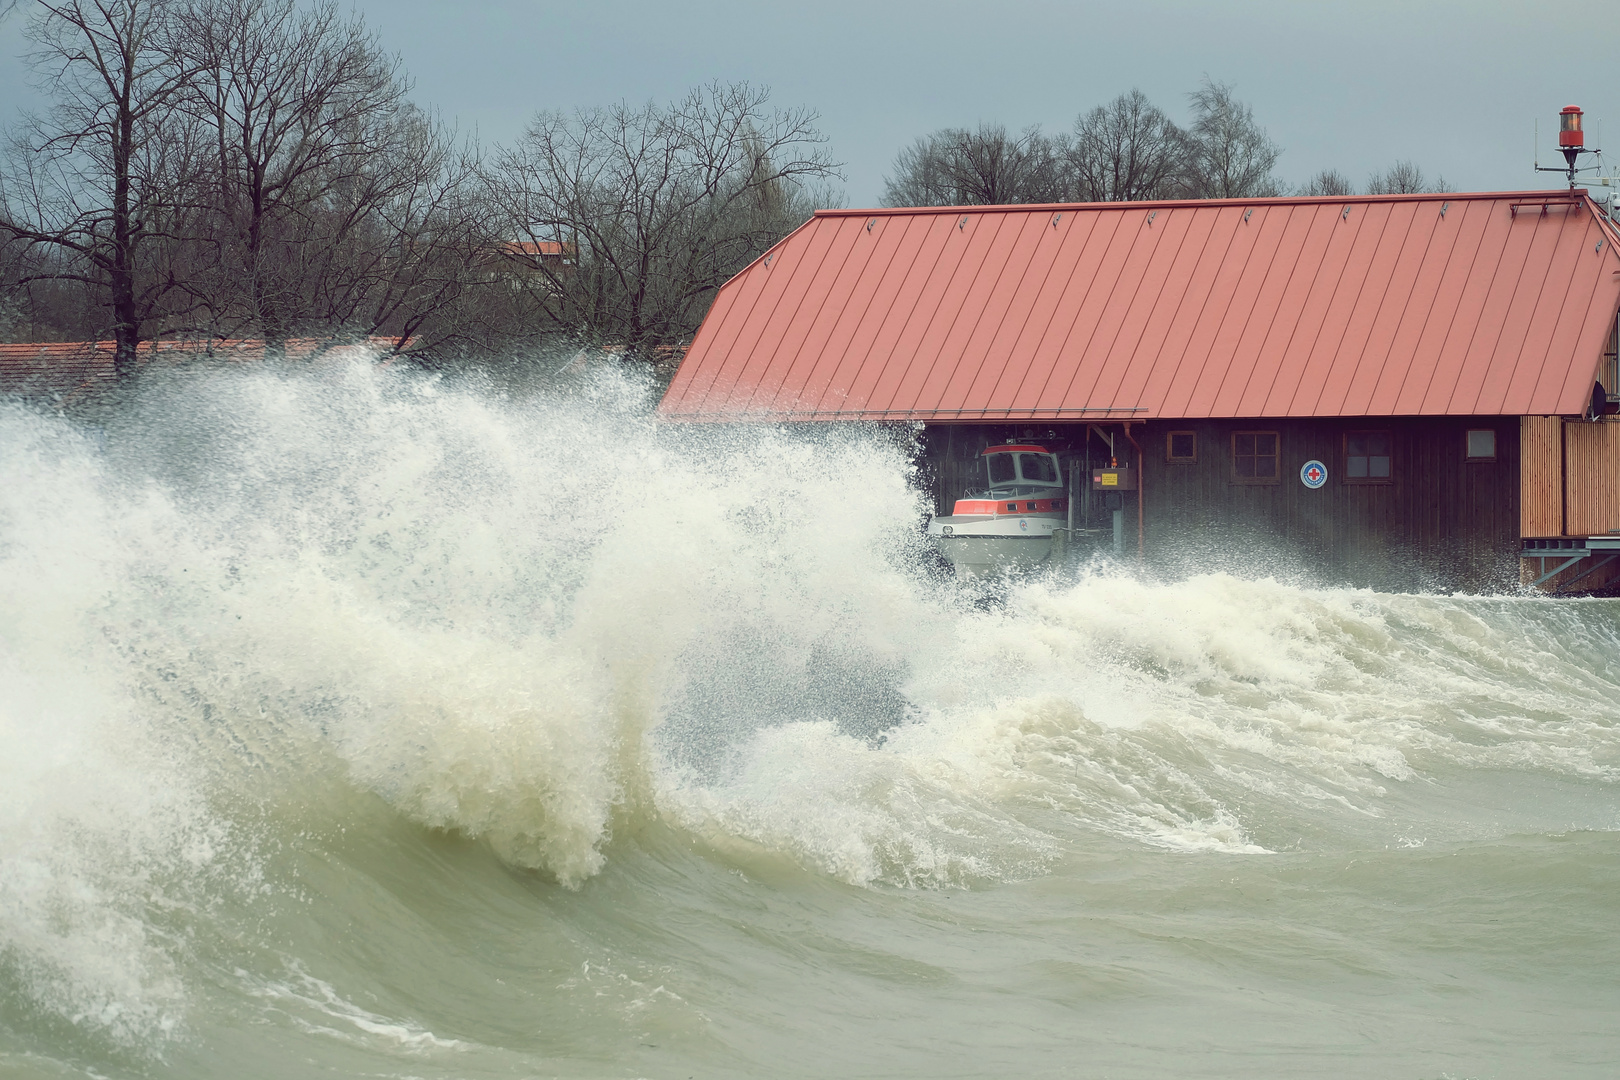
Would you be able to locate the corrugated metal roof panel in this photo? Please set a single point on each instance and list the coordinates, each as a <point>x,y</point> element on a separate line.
<point>1456,304</point>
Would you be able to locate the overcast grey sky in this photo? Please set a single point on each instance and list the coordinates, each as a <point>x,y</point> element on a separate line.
<point>1452,86</point>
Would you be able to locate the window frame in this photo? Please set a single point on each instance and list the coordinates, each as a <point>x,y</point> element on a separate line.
<point>1344,458</point>
<point>1170,457</point>
<point>1496,442</point>
<point>1276,456</point>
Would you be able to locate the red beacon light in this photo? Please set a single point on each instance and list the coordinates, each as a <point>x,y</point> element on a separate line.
<point>1571,143</point>
<point>1569,128</point>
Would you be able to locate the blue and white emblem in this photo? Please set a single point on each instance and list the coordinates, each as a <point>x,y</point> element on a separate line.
<point>1313,474</point>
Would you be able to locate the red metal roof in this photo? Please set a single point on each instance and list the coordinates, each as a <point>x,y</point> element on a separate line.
<point>1461,304</point>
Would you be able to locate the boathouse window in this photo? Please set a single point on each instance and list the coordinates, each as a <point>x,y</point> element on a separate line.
<point>1254,457</point>
<point>1181,447</point>
<point>1367,457</point>
<point>1482,444</point>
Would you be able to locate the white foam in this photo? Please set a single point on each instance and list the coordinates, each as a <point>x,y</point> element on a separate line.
<point>533,621</point>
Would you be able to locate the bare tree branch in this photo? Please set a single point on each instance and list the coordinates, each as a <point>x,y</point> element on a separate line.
<point>635,215</point>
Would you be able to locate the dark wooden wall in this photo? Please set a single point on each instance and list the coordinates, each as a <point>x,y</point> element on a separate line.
<point>1441,523</point>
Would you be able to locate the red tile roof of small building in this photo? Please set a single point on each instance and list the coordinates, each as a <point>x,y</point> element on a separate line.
<point>1446,304</point>
<point>70,370</point>
<point>539,248</point>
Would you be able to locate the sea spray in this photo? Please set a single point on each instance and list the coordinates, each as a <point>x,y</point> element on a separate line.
<point>381,716</point>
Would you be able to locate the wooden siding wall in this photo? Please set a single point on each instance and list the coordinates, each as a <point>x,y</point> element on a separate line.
<point>1442,521</point>
<point>1541,469</point>
<point>1591,477</point>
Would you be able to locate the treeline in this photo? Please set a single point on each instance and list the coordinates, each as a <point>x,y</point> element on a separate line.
<point>226,169</point>
<point>1128,149</point>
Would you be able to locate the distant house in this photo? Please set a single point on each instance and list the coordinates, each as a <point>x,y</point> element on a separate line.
<point>1408,390</point>
<point>524,259</point>
<point>68,373</point>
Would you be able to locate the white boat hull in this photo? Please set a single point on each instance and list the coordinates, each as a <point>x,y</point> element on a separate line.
<point>988,545</point>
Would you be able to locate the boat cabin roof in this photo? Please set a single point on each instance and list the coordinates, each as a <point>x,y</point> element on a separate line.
<point>1008,448</point>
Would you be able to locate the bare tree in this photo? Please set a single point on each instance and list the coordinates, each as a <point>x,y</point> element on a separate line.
<point>1128,149</point>
<point>100,178</point>
<point>1404,178</point>
<point>334,205</point>
<point>958,167</point>
<point>1232,155</point>
<point>1328,182</point>
<point>648,210</point>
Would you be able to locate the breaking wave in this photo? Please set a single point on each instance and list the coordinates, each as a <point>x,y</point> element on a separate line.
<point>250,606</point>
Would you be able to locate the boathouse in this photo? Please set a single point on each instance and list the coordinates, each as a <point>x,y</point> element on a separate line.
<point>1395,390</point>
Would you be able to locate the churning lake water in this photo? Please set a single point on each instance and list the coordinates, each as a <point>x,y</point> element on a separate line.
<point>357,723</point>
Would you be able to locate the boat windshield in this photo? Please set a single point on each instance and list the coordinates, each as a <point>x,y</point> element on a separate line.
<point>1016,473</point>
<point>1038,468</point>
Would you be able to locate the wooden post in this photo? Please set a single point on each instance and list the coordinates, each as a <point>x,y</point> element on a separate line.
<point>1140,485</point>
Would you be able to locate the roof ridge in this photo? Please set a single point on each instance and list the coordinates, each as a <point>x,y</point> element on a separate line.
<point>1162,204</point>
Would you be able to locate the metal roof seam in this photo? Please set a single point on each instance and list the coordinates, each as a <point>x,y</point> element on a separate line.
<point>1367,326</point>
<point>1085,355</point>
<point>737,280</point>
<point>1052,238</point>
<point>1061,343</point>
<point>921,350</point>
<point>1239,353</point>
<point>962,356</point>
<point>945,234</point>
<point>849,354</point>
<point>858,263</point>
<point>711,360</point>
<point>1561,303</point>
<point>1602,314</point>
<point>1278,312</point>
<point>1220,283</point>
<point>1106,354</point>
<point>1373,244</point>
<point>1418,285</point>
<point>802,263</point>
<point>1085,296</point>
<point>1235,356</point>
<point>1316,259</point>
<point>1039,227</point>
<point>1339,226</point>
<point>1459,392</point>
<point>1148,391</point>
<point>1045,329</point>
<point>1125,388</point>
<point>1493,400</point>
<point>1466,220</point>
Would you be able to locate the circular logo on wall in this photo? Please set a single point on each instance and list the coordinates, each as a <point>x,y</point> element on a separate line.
<point>1313,474</point>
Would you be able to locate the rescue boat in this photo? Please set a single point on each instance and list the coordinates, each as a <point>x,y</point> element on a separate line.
<point>1007,524</point>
